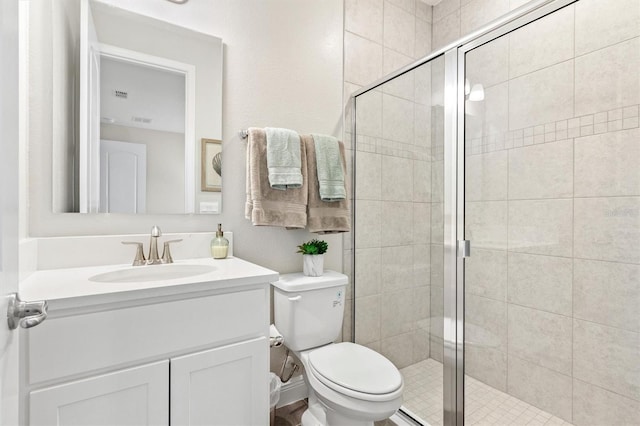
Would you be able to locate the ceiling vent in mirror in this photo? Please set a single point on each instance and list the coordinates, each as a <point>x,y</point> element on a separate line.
<point>121,94</point>
<point>144,120</point>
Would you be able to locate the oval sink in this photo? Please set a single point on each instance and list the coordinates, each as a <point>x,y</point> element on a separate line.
<point>152,273</point>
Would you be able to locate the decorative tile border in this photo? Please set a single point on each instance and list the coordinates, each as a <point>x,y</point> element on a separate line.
<point>393,148</point>
<point>587,125</point>
<point>557,131</point>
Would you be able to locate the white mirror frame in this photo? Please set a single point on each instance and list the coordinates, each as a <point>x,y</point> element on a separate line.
<point>89,114</point>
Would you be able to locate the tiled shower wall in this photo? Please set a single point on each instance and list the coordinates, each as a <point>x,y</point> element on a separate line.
<point>553,201</point>
<point>453,19</point>
<point>393,175</point>
<point>400,234</point>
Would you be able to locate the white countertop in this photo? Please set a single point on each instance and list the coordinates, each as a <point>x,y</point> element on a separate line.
<point>72,288</point>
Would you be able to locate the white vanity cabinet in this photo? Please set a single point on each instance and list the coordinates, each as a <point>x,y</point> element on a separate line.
<point>220,386</point>
<point>135,396</point>
<point>194,358</point>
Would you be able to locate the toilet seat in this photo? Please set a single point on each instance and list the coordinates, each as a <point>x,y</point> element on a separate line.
<point>356,371</point>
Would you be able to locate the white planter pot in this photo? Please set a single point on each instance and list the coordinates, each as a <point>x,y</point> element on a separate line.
<point>313,265</point>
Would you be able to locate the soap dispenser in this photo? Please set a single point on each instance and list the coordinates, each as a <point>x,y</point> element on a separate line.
<point>219,245</point>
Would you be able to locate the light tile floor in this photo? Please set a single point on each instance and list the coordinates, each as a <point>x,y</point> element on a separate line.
<point>484,405</point>
<point>290,415</point>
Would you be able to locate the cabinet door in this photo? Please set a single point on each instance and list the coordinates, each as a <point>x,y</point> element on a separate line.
<point>223,386</point>
<point>135,396</point>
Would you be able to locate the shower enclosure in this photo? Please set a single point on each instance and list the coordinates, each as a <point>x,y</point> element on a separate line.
<point>497,214</point>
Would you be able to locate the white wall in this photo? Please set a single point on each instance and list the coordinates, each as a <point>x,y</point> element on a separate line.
<point>282,67</point>
<point>152,93</point>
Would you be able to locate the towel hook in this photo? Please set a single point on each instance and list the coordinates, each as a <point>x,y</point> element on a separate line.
<point>244,133</point>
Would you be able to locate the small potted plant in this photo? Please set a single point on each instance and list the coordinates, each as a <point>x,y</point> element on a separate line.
<point>313,257</point>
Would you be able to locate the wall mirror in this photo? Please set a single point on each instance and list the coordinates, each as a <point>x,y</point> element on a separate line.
<point>143,102</point>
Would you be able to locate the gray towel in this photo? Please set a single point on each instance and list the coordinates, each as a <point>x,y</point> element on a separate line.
<point>329,164</point>
<point>283,158</point>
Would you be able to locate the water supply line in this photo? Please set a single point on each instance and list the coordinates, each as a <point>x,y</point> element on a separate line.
<point>276,340</point>
<point>284,367</point>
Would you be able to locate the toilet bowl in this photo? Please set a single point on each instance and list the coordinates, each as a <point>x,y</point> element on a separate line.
<point>354,384</point>
<point>349,384</point>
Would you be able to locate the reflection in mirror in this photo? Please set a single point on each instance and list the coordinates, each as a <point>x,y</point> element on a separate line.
<point>147,92</point>
<point>142,134</point>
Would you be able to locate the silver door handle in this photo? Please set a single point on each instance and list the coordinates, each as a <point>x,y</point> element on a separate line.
<point>27,314</point>
<point>464,248</point>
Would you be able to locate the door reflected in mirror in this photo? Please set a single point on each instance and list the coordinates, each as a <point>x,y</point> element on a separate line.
<point>147,93</point>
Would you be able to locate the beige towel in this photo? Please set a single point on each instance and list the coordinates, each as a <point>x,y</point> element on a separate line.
<point>325,217</point>
<point>266,206</point>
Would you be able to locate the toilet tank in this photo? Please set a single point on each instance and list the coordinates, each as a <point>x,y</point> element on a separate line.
<point>308,311</point>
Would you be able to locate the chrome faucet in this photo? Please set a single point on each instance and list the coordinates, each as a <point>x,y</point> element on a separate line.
<point>153,258</point>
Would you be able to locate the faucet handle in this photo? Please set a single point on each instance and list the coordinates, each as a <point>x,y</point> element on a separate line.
<point>156,231</point>
<point>166,252</point>
<point>140,259</point>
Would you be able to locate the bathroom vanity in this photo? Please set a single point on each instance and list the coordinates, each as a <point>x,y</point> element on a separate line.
<point>116,349</point>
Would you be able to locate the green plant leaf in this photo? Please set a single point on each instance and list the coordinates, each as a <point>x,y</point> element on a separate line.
<point>313,247</point>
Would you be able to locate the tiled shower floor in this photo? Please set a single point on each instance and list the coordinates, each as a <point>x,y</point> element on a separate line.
<point>484,405</point>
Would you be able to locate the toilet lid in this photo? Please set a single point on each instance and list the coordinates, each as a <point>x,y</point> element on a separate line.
<point>356,367</point>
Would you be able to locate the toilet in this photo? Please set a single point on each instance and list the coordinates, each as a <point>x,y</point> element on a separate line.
<point>349,384</point>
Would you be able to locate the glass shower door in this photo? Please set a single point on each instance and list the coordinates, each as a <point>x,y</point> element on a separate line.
<point>552,210</point>
<point>398,253</point>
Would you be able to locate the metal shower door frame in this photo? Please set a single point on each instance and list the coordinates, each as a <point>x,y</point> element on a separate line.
<point>453,291</point>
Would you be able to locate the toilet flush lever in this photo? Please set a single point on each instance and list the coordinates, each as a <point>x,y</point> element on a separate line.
<point>295,298</point>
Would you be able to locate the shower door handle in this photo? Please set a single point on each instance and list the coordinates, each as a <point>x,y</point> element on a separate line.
<point>464,248</point>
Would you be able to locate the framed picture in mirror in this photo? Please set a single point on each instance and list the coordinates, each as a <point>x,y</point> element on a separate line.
<point>211,168</point>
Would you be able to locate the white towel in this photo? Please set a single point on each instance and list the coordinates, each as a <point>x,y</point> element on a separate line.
<point>283,158</point>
